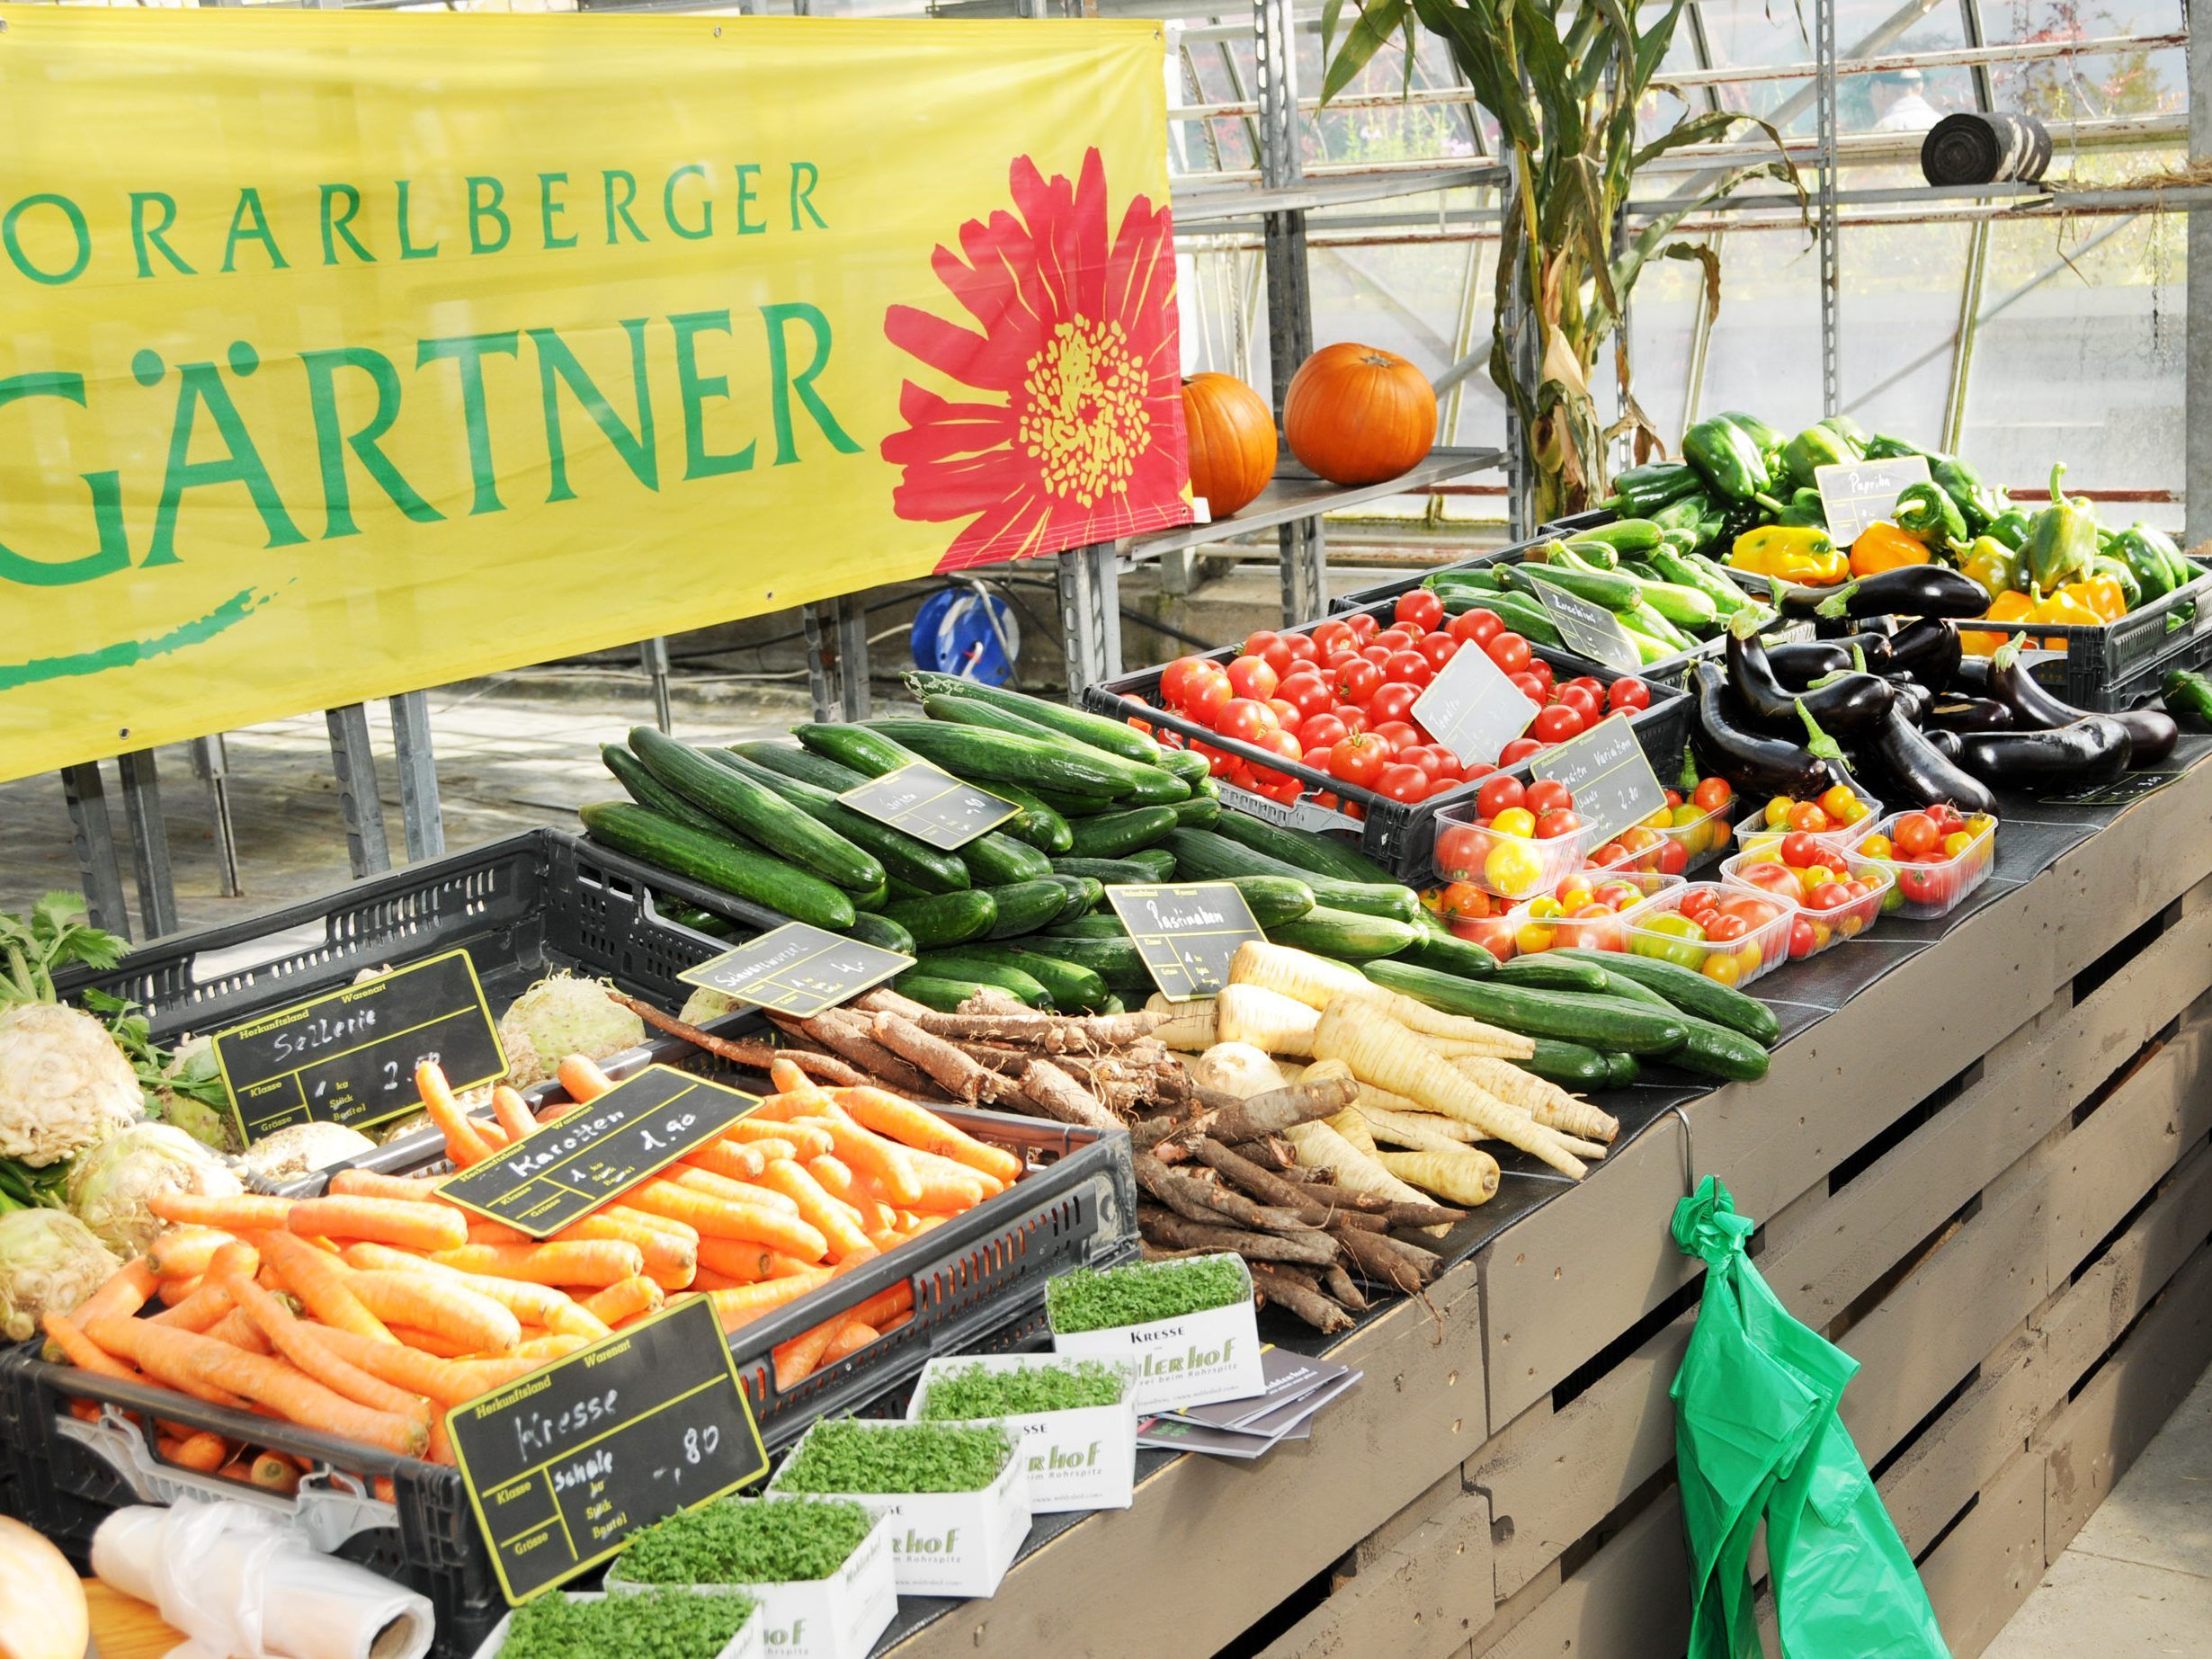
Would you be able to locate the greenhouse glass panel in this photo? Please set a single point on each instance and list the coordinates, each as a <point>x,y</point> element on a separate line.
<point>1900,324</point>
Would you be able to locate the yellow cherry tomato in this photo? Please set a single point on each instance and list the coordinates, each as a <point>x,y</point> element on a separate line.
<point>1529,938</point>
<point>1814,875</point>
<point>1822,934</point>
<point>1514,821</point>
<point>1722,967</point>
<point>1749,960</point>
<point>1544,908</point>
<point>1851,924</point>
<point>1956,843</point>
<point>1837,801</point>
<point>1980,821</point>
<point>1877,847</point>
<point>1778,811</point>
<point>1512,868</point>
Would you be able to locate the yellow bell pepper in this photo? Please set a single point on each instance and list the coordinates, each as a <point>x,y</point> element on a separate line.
<point>2007,607</point>
<point>1798,553</point>
<point>1882,546</point>
<point>2070,606</point>
<point>2101,596</point>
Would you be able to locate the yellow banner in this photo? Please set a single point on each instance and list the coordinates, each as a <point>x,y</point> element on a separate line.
<point>349,354</point>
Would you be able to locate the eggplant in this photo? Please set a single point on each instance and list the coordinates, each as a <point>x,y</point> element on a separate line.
<point>2092,750</point>
<point>1910,590</point>
<point>1797,665</point>
<point>1971,676</point>
<point>1754,765</point>
<point>1844,703</point>
<point>1929,649</point>
<point>2151,732</point>
<point>1970,714</point>
<point>1917,772</point>
<point>1912,696</point>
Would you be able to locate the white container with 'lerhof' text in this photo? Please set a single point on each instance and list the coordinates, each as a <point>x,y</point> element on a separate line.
<point>1189,1359</point>
<point>746,1644</point>
<point>1081,1458</point>
<point>942,1543</point>
<point>836,1618</point>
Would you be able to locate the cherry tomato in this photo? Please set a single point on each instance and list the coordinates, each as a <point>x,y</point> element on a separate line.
<point>1287,715</point>
<point>1518,751</point>
<point>1556,724</point>
<point>1806,816</point>
<point>1402,782</point>
<point>1828,895</point>
<point>1802,940</point>
<point>1915,833</point>
<point>1307,692</point>
<point>1331,636</point>
<point>1509,651</point>
<point>1359,760</point>
<point>1362,626</point>
<point>1551,825</point>
<point>1628,695</point>
<point>1479,625</point>
<point>1437,648</point>
<point>1712,793</point>
<point>1322,729</point>
<point>1400,734</point>
<point>1799,849</point>
<point>1246,719</point>
<point>1581,699</point>
<point>1356,682</point>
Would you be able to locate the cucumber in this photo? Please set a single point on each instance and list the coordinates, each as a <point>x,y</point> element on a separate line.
<point>755,812</point>
<point>914,862</point>
<point>1197,813</point>
<point>1629,991</point>
<point>1322,854</point>
<point>977,755</point>
<point>1024,907</point>
<point>860,748</point>
<point>958,710</point>
<point>1111,1005</point>
<point>1694,994</point>
<point>995,858</point>
<point>1201,855</point>
<point>1448,953</point>
<point>882,932</point>
<point>933,991</point>
<point>1083,893</point>
<point>1192,769</point>
<point>1719,1051</point>
<point>1343,936</point>
<point>1110,872</point>
<point>1570,1065</point>
<point>699,921</point>
<point>1116,962</point>
<point>1105,925</point>
<point>875,897</point>
<point>1540,972</point>
<point>718,862</point>
<point>981,970</point>
<point>1041,823</point>
<point>1110,834</point>
<point>1274,900</point>
<point>1158,862</point>
<point>789,760</point>
<point>1629,1028</point>
<point>1113,736</point>
<point>946,918</point>
<point>650,792</point>
<point>1066,806</point>
<point>1620,1070</point>
<point>1072,986</point>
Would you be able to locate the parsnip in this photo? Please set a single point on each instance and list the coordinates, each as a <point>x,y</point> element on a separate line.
<point>1267,1020</point>
<point>1317,982</point>
<point>1322,1147</point>
<point>1189,1029</point>
<point>1353,1128</point>
<point>1239,1069</point>
<point>1542,1099</point>
<point>1466,1177</point>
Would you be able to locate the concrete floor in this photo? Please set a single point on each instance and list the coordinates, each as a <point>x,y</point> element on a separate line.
<point>2136,1581</point>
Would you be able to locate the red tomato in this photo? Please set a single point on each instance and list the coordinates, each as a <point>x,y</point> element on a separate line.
<point>1276,787</point>
<point>1774,878</point>
<point>1472,770</point>
<point>1802,943</point>
<point>1547,795</point>
<point>1508,651</point>
<point>1302,648</point>
<point>1673,856</point>
<point>1413,631</point>
<point>1277,658</point>
<point>1359,760</point>
<point>1420,605</point>
<point>1398,734</point>
<point>1727,930</point>
<point>1518,751</point>
<point>1323,729</point>
<point>1461,850</point>
<point>1397,638</point>
<point>1551,825</point>
<point>1699,903</point>
<point>1712,792</point>
<point>1464,899</point>
<point>1208,693</point>
<point>1630,695</point>
<point>1479,625</point>
<point>1179,677</point>
<point>1581,699</point>
<point>1219,762</point>
<point>1916,833</point>
<point>1437,649</point>
<point>1500,792</point>
<point>1285,743</point>
<point>1828,895</point>
<point>1353,716</point>
<point>1613,853</point>
<point>1356,682</point>
<point>1330,636</point>
<point>1830,859</point>
<point>1393,700</point>
<point>1362,626</point>
<point>1590,683</point>
<point>1257,641</point>
<point>1317,756</point>
<point>1409,668</point>
<point>1250,676</point>
<point>1799,849</point>
<point>1542,671</point>
<point>1378,654</point>
<point>1246,719</point>
<point>1427,759</point>
<point>1401,782</point>
<point>1494,935</point>
<point>1307,692</point>
<point>1528,686</point>
<point>1556,724</point>
<point>1287,715</point>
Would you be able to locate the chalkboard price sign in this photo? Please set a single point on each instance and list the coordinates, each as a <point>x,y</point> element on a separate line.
<point>544,1181</point>
<point>562,1465</point>
<point>1472,707</point>
<point>798,969</point>
<point>349,1055</point>
<point>1590,629</point>
<point>1854,495</point>
<point>2134,786</point>
<point>1611,779</point>
<point>1186,935</point>
<point>930,805</point>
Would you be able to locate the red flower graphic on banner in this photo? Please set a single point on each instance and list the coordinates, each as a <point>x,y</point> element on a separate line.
<point>1075,434</point>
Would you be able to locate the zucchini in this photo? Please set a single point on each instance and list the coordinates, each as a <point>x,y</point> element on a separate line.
<point>1448,953</point>
<point>1695,994</point>
<point>1629,1028</point>
<point>1540,972</point>
<point>857,747</point>
<point>995,859</point>
<point>977,755</point>
<point>1040,823</point>
<point>1024,907</point>
<point>1104,925</point>
<point>914,862</point>
<point>1116,962</point>
<point>1719,1051</point>
<point>1110,834</point>
<point>790,760</point>
<point>1083,893</point>
<point>1570,1065</point>
<point>1114,737</point>
<point>1072,986</point>
<point>946,918</point>
<point>719,863</point>
<point>1202,855</point>
<point>1111,872</point>
<point>650,792</point>
<point>933,991</point>
<point>1197,813</point>
<point>1111,1005</point>
<point>1322,854</point>
<point>982,970</point>
<point>1343,936</point>
<point>757,813</point>
<point>881,932</point>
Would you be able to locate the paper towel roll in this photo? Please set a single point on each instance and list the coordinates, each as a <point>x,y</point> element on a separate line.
<point>233,1579</point>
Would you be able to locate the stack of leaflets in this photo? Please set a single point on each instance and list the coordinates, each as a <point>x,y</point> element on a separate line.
<point>1296,1389</point>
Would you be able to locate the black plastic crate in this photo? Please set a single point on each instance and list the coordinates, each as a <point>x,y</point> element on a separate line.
<point>2123,664</point>
<point>1398,835</point>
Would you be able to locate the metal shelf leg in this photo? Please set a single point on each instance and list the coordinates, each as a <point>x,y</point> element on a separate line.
<point>93,836</point>
<point>419,811</point>
<point>149,844</point>
<point>355,764</point>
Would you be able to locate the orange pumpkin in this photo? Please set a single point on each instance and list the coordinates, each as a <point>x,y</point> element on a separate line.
<point>1359,414</point>
<point>1232,436</point>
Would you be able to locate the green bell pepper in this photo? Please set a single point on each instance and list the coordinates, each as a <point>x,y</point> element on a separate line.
<point>2188,693</point>
<point>1843,426</point>
<point>1999,568</point>
<point>1730,461</point>
<point>1928,511</point>
<point>1972,497</point>
<point>1683,512</point>
<point>2062,540</point>
<point>1640,491</point>
<point>2150,544</point>
<point>1881,446</point>
<point>1735,518</point>
<point>2144,560</point>
<point>2009,527</point>
<point>1768,441</point>
<point>1816,446</point>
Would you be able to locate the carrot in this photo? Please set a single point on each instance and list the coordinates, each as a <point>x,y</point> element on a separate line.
<point>197,1312</point>
<point>272,1471</point>
<point>495,1138</point>
<point>854,1336</point>
<point>724,1187</point>
<point>125,1291</point>
<point>512,1114</point>
<point>625,1300</point>
<point>595,1262</point>
<point>203,1452</point>
<point>722,1158</point>
<point>735,1259</point>
<point>884,1163</point>
<point>720,1218</point>
<point>531,1303</point>
<point>301,1345</point>
<point>182,1253</point>
<point>80,1351</point>
<point>580,1075</point>
<point>884,1305</point>
<point>447,1382</point>
<point>367,1183</point>
<point>431,1343</point>
<point>659,1224</point>
<point>835,1179</point>
<point>750,1302</point>
<point>923,1130</point>
<point>497,1233</point>
<point>550,1346</point>
<point>320,1283</point>
<point>707,1279</point>
<point>463,1145</point>
<point>241,1213</point>
<point>807,1140</point>
<point>387,1221</point>
<point>670,1260</point>
<point>451,1311</point>
<point>832,1218</point>
<point>889,1325</point>
<point>788,1079</point>
<point>234,1328</point>
<point>801,1357</point>
<point>171,1292</point>
<point>948,1187</point>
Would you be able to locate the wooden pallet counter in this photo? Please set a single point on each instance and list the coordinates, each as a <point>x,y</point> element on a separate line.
<point>1981,1165</point>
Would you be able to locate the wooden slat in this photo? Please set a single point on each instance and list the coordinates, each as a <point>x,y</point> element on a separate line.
<point>1977,1577</point>
<point>1421,1591</point>
<point>1630,1601</point>
<point>2116,1157</point>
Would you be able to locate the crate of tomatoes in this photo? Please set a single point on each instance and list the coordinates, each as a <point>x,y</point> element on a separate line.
<point>1312,726</point>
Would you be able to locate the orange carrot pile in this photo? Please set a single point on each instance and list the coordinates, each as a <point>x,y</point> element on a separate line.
<point>372,1310</point>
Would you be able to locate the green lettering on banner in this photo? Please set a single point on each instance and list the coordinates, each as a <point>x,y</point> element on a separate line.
<point>782,384</point>
<point>748,176</point>
<point>556,364</point>
<point>802,196</point>
<point>695,388</point>
<point>330,443</point>
<point>249,201</point>
<point>144,236</point>
<point>481,207</point>
<point>547,207</point>
<point>620,209</point>
<point>407,249</point>
<point>340,225</point>
<point>78,227</point>
<point>201,385</point>
<point>668,206</point>
<point>113,552</point>
<point>468,352</point>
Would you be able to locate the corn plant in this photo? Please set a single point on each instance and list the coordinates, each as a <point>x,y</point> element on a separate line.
<point>1564,84</point>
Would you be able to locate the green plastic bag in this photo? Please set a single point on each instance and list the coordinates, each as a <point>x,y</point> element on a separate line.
<point>1757,1437</point>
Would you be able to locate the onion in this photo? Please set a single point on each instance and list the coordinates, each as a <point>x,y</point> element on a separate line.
<point>46,1618</point>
